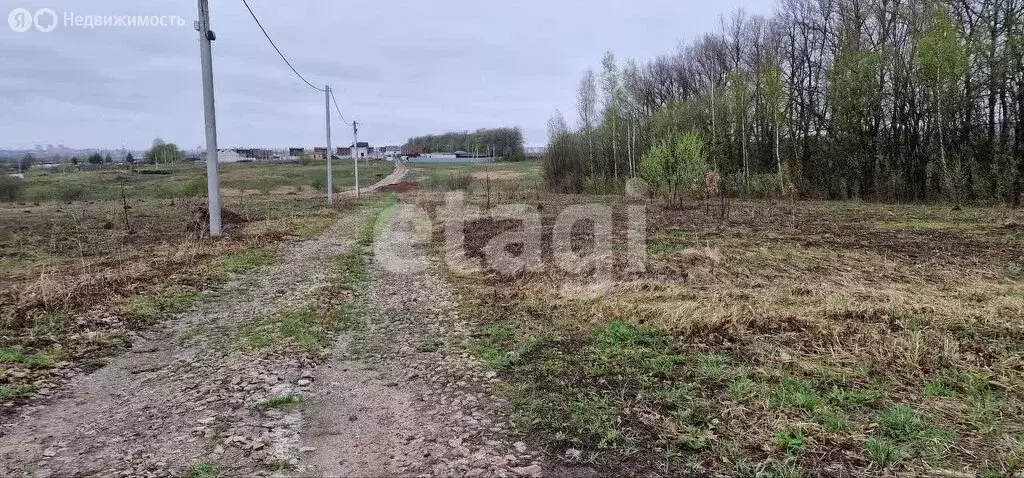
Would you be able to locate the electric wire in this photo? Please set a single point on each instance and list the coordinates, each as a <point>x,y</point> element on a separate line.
<point>278,49</point>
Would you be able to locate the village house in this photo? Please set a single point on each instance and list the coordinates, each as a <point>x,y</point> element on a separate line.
<point>362,150</point>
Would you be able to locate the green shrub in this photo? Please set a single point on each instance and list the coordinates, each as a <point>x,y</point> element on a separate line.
<point>11,188</point>
<point>70,192</point>
<point>320,183</point>
<point>456,181</point>
<point>763,186</point>
<point>181,189</point>
<point>561,166</point>
<point>676,169</point>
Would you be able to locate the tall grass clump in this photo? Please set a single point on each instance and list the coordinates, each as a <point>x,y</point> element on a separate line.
<point>11,188</point>
<point>182,189</point>
<point>70,192</point>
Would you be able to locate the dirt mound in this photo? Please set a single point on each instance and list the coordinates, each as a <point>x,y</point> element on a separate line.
<point>201,218</point>
<point>401,187</point>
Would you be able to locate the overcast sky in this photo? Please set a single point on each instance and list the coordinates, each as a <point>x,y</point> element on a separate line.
<point>401,67</point>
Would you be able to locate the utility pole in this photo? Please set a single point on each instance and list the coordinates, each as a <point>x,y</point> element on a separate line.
<point>330,173</point>
<point>355,152</point>
<point>212,176</point>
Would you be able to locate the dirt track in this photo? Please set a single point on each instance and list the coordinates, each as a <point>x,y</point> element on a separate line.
<point>400,396</point>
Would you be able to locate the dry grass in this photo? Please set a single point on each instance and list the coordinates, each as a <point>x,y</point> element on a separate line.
<point>791,338</point>
<point>73,277</point>
<point>497,175</point>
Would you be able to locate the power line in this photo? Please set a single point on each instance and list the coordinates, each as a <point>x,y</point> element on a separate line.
<point>338,109</point>
<point>279,50</point>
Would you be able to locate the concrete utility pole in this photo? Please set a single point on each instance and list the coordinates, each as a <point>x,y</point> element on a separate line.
<point>330,172</point>
<point>212,176</point>
<point>355,152</point>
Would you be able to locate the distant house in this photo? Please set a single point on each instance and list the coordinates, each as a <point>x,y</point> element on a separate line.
<point>362,150</point>
<point>229,156</point>
<point>255,154</point>
<point>390,152</point>
<point>344,152</point>
<point>296,153</point>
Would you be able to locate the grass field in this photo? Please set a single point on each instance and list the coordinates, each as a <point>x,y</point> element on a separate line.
<point>79,271</point>
<point>454,176</point>
<point>762,339</point>
<point>786,339</point>
<point>189,180</point>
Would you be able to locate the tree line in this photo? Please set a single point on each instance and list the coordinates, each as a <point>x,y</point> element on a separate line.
<point>899,100</point>
<point>506,143</point>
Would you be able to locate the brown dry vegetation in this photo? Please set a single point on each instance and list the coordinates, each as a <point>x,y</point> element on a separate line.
<point>813,338</point>
<point>75,281</point>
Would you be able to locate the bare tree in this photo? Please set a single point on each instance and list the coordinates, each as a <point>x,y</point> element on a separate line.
<point>610,86</point>
<point>586,105</point>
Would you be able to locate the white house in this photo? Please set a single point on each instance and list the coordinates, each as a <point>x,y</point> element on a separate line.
<point>362,150</point>
<point>228,156</point>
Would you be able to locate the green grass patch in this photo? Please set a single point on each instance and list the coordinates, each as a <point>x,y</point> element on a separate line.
<point>347,316</point>
<point>742,388</point>
<point>713,366</point>
<point>180,189</point>
<point>900,421</point>
<point>280,402</point>
<point>203,469</point>
<point>576,418</point>
<point>939,387</point>
<point>11,354</point>
<point>926,225</point>
<point>52,323</point>
<point>832,419</point>
<point>312,226</point>
<point>154,307</point>
<point>15,391</point>
<point>350,270</point>
<point>248,260</point>
<point>299,328</point>
<point>17,355</point>
<point>911,431</point>
<point>590,391</point>
<point>846,397</point>
<point>883,452</point>
<point>791,440</point>
<point>375,227</point>
<point>794,394</point>
<point>499,359</point>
